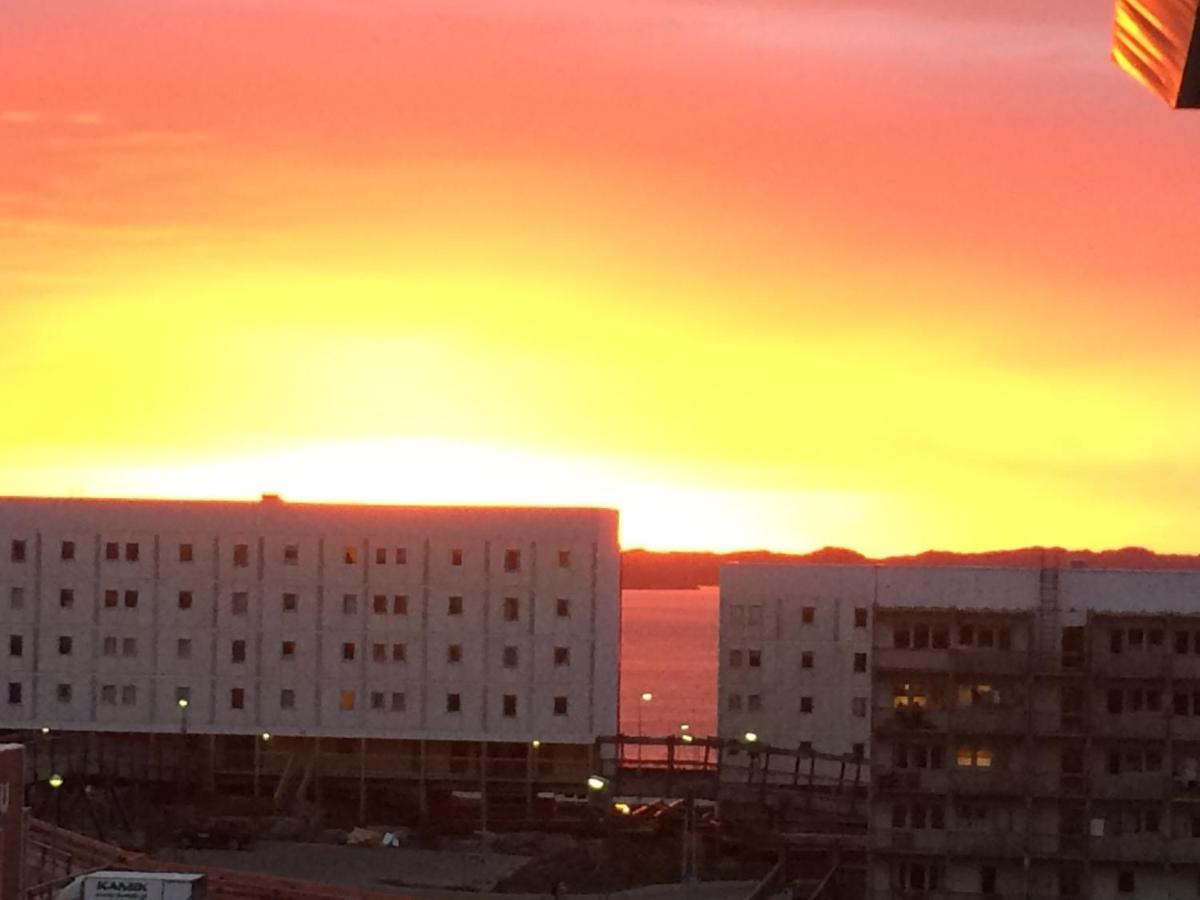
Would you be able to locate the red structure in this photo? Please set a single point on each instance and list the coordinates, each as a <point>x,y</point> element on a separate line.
<point>1158,43</point>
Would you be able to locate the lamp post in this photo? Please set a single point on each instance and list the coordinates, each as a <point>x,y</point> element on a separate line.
<point>181,750</point>
<point>646,697</point>
<point>56,782</point>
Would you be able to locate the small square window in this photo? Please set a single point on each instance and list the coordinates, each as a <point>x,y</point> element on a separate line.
<point>128,695</point>
<point>111,599</point>
<point>860,617</point>
<point>560,706</point>
<point>378,701</point>
<point>66,598</point>
<point>754,702</point>
<point>398,701</point>
<point>62,693</point>
<point>453,703</point>
<point>858,707</point>
<point>379,653</point>
<point>185,599</point>
<point>806,705</point>
<point>109,646</point>
<point>132,552</point>
<point>241,556</point>
<point>348,651</point>
<point>399,652</point>
<point>806,659</point>
<point>512,560</point>
<point>290,602</point>
<point>401,557</point>
<point>237,652</point>
<point>754,659</point>
<point>183,648</point>
<point>454,653</point>
<point>16,645</point>
<point>18,551</point>
<point>456,557</point>
<point>400,605</point>
<point>381,560</point>
<point>65,644</point>
<point>108,694</point>
<point>562,607</point>
<point>349,604</point>
<point>16,598</point>
<point>564,559</point>
<point>454,606</point>
<point>112,550</point>
<point>67,550</point>
<point>237,698</point>
<point>510,706</point>
<point>287,650</point>
<point>185,553</point>
<point>509,657</point>
<point>129,647</point>
<point>512,609</point>
<point>287,699</point>
<point>562,656</point>
<point>379,604</point>
<point>808,614</point>
<point>860,662</point>
<point>349,555</point>
<point>131,599</point>
<point>241,603</point>
<point>291,554</point>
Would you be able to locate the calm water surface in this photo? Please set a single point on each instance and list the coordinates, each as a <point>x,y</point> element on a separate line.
<point>669,647</point>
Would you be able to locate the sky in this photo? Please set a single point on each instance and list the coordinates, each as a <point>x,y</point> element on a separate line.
<point>886,274</point>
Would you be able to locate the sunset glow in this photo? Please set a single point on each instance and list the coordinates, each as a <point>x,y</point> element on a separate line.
<point>888,275</point>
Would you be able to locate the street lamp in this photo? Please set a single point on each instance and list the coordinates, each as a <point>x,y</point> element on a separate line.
<point>750,737</point>
<point>645,698</point>
<point>596,783</point>
<point>266,736</point>
<point>45,730</point>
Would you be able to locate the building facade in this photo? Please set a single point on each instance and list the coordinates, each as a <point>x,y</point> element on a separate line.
<point>463,624</point>
<point>1032,733</point>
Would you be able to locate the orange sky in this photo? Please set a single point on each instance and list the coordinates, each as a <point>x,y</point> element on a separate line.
<point>891,275</point>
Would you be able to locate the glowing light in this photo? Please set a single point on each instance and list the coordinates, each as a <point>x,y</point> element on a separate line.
<point>647,697</point>
<point>55,781</point>
<point>596,783</point>
<point>183,702</point>
<point>751,737</point>
<point>266,736</point>
<point>622,808</point>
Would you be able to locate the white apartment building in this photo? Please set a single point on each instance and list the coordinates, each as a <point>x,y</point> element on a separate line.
<point>448,624</point>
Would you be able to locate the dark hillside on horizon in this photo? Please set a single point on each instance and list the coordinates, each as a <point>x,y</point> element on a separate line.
<point>647,569</point>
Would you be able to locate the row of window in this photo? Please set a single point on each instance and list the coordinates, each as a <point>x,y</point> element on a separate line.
<point>754,703</point>
<point>381,604</point>
<point>19,553</point>
<point>752,614</point>
<point>753,659</point>
<point>920,636</point>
